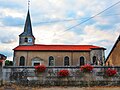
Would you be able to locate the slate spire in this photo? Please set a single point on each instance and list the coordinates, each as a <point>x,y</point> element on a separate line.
<point>27,27</point>
<point>27,37</point>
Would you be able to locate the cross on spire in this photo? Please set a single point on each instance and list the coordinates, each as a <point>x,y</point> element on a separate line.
<point>28,4</point>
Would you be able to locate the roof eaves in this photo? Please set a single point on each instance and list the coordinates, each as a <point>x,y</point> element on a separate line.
<point>98,48</point>
<point>55,50</point>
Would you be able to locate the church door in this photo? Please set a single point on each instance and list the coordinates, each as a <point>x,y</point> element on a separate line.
<point>37,61</point>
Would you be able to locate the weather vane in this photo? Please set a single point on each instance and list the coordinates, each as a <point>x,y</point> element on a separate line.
<point>28,4</point>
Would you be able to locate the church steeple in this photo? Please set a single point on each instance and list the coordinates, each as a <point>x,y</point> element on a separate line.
<point>27,38</point>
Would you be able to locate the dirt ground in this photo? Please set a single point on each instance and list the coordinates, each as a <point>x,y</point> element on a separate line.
<point>61,88</point>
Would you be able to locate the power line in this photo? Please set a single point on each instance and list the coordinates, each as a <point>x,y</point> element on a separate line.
<point>73,19</point>
<point>60,21</point>
<point>66,20</point>
<point>92,17</point>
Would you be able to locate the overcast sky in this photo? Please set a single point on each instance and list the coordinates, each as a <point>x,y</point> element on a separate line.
<point>52,20</point>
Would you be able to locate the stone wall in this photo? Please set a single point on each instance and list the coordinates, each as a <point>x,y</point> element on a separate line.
<point>26,75</point>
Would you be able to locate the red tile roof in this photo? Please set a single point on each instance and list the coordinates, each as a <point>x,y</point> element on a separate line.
<point>39,47</point>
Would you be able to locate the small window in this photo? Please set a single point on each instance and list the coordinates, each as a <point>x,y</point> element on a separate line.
<point>82,61</point>
<point>26,39</point>
<point>22,61</point>
<point>51,61</point>
<point>66,61</point>
<point>95,60</point>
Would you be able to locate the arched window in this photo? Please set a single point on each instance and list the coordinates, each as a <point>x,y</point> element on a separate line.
<point>51,61</point>
<point>95,60</point>
<point>82,61</point>
<point>66,61</point>
<point>22,61</point>
<point>26,39</point>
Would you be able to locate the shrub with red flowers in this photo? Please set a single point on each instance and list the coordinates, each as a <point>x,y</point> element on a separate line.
<point>110,72</point>
<point>63,73</point>
<point>40,68</point>
<point>86,68</point>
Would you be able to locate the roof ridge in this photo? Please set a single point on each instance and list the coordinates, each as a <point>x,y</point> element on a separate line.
<point>58,47</point>
<point>63,45</point>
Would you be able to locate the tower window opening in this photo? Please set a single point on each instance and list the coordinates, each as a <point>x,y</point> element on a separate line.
<point>26,39</point>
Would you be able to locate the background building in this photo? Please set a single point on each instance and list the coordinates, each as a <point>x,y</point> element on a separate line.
<point>2,60</point>
<point>113,58</point>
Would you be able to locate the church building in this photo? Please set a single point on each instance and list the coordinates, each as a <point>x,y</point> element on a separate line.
<point>27,53</point>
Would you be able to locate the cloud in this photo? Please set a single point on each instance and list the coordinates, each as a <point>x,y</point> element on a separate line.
<point>6,50</point>
<point>102,30</point>
<point>13,4</point>
<point>5,12</point>
<point>9,4</point>
<point>9,17</point>
<point>94,34</point>
<point>9,35</point>
<point>12,21</point>
<point>8,39</point>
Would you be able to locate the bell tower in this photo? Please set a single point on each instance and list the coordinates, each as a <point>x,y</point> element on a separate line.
<point>27,38</point>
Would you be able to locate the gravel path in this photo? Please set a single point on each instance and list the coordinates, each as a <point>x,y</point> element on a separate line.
<point>63,88</point>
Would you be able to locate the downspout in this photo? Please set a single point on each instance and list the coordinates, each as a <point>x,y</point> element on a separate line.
<point>14,61</point>
<point>26,63</point>
<point>71,58</point>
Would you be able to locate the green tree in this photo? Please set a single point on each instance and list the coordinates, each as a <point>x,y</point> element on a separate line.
<point>8,63</point>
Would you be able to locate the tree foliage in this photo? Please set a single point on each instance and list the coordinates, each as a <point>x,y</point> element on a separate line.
<point>8,63</point>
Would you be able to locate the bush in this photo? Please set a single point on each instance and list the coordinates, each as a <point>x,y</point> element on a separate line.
<point>110,72</point>
<point>40,68</point>
<point>86,68</point>
<point>8,63</point>
<point>63,73</point>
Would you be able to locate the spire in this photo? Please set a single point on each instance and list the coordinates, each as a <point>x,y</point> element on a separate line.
<point>27,27</point>
<point>27,38</point>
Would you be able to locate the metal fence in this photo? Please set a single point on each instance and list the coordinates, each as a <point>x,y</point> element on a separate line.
<point>26,76</point>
